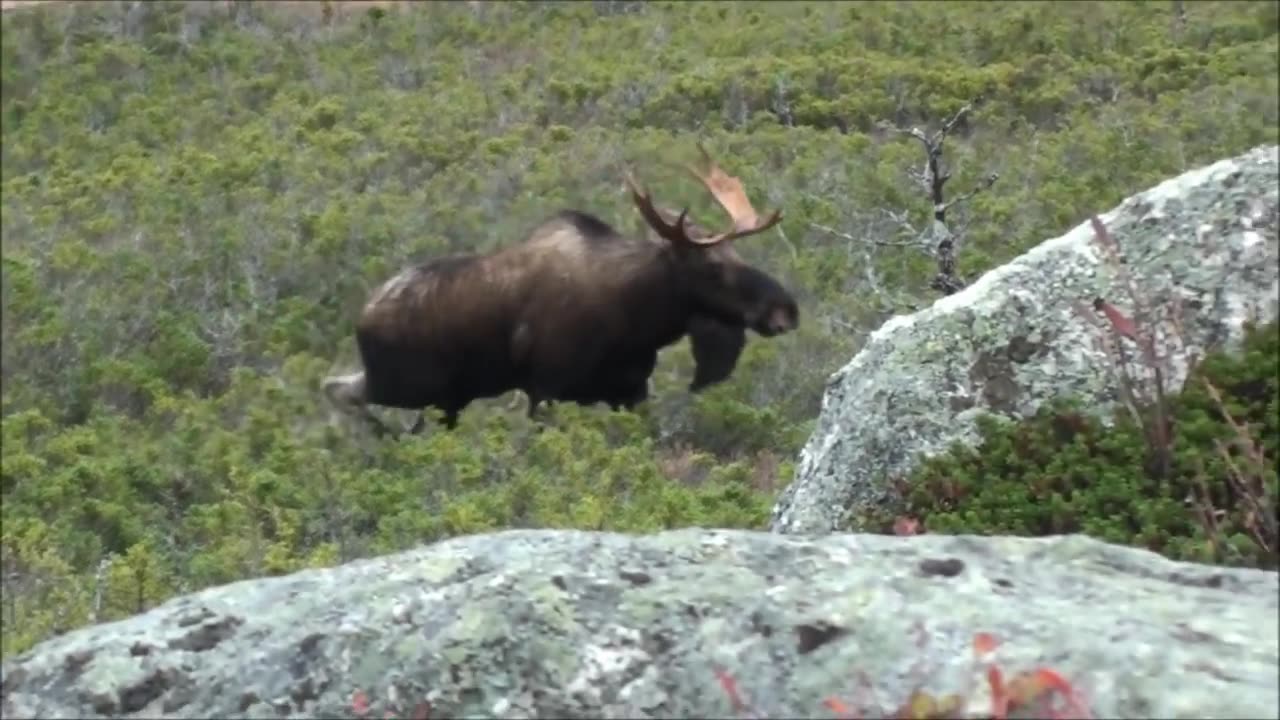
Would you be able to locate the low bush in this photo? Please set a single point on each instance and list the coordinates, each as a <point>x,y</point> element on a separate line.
<point>1066,470</point>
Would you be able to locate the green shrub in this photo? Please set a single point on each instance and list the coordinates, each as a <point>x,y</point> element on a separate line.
<point>195,199</point>
<point>1065,471</point>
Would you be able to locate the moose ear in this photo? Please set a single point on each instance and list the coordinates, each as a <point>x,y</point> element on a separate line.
<point>716,348</point>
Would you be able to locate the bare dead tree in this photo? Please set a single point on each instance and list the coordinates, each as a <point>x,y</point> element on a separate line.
<point>1179,18</point>
<point>933,177</point>
<point>939,241</point>
<point>99,587</point>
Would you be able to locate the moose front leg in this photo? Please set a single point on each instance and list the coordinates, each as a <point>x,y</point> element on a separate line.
<point>449,420</point>
<point>380,429</point>
<point>539,410</point>
<point>537,407</point>
<point>419,424</point>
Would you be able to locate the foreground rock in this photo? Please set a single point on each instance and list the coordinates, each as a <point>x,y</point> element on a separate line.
<point>574,624</point>
<point>1017,336</point>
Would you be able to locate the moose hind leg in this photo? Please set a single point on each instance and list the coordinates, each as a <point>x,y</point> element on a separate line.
<point>349,394</point>
<point>536,403</point>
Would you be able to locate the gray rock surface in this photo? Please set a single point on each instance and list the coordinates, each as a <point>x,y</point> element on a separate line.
<point>1016,337</point>
<point>580,624</point>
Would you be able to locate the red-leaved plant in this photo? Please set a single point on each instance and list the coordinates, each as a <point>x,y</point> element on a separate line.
<point>1040,692</point>
<point>1149,406</point>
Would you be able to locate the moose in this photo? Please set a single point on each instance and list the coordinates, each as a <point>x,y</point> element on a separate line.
<point>716,347</point>
<point>576,312</point>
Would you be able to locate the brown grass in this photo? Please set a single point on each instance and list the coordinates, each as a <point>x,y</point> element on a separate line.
<point>341,8</point>
<point>13,4</point>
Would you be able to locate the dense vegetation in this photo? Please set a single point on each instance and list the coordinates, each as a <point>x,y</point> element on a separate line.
<point>196,200</point>
<point>1064,471</point>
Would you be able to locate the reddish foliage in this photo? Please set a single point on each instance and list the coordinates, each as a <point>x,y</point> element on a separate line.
<point>904,525</point>
<point>984,643</point>
<point>999,694</point>
<point>1044,682</point>
<point>360,706</point>
<point>1035,690</point>
<point>842,711</point>
<point>730,687</point>
<point>1119,321</point>
<point>360,703</point>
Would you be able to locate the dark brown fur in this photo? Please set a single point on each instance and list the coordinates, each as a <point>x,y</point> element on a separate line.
<point>576,312</point>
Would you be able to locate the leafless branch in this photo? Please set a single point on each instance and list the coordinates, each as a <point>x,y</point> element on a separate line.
<point>901,219</point>
<point>933,178</point>
<point>985,184</point>
<point>790,245</point>
<point>869,241</point>
<point>870,275</point>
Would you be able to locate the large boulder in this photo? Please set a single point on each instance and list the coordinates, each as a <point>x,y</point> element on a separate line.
<point>589,625</point>
<point>1016,337</point>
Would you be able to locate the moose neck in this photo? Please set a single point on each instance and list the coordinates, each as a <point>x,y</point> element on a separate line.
<point>658,292</point>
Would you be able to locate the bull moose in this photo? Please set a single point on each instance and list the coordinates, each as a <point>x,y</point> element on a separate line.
<point>716,347</point>
<point>577,312</point>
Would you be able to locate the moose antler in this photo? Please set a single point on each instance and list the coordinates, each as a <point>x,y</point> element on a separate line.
<point>728,192</point>
<point>674,232</point>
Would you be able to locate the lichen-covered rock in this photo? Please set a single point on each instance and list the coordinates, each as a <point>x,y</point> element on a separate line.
<point>1205,242</point>
<point>577,624</point>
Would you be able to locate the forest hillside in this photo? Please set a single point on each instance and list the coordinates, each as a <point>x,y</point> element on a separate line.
<point>198,198</point>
